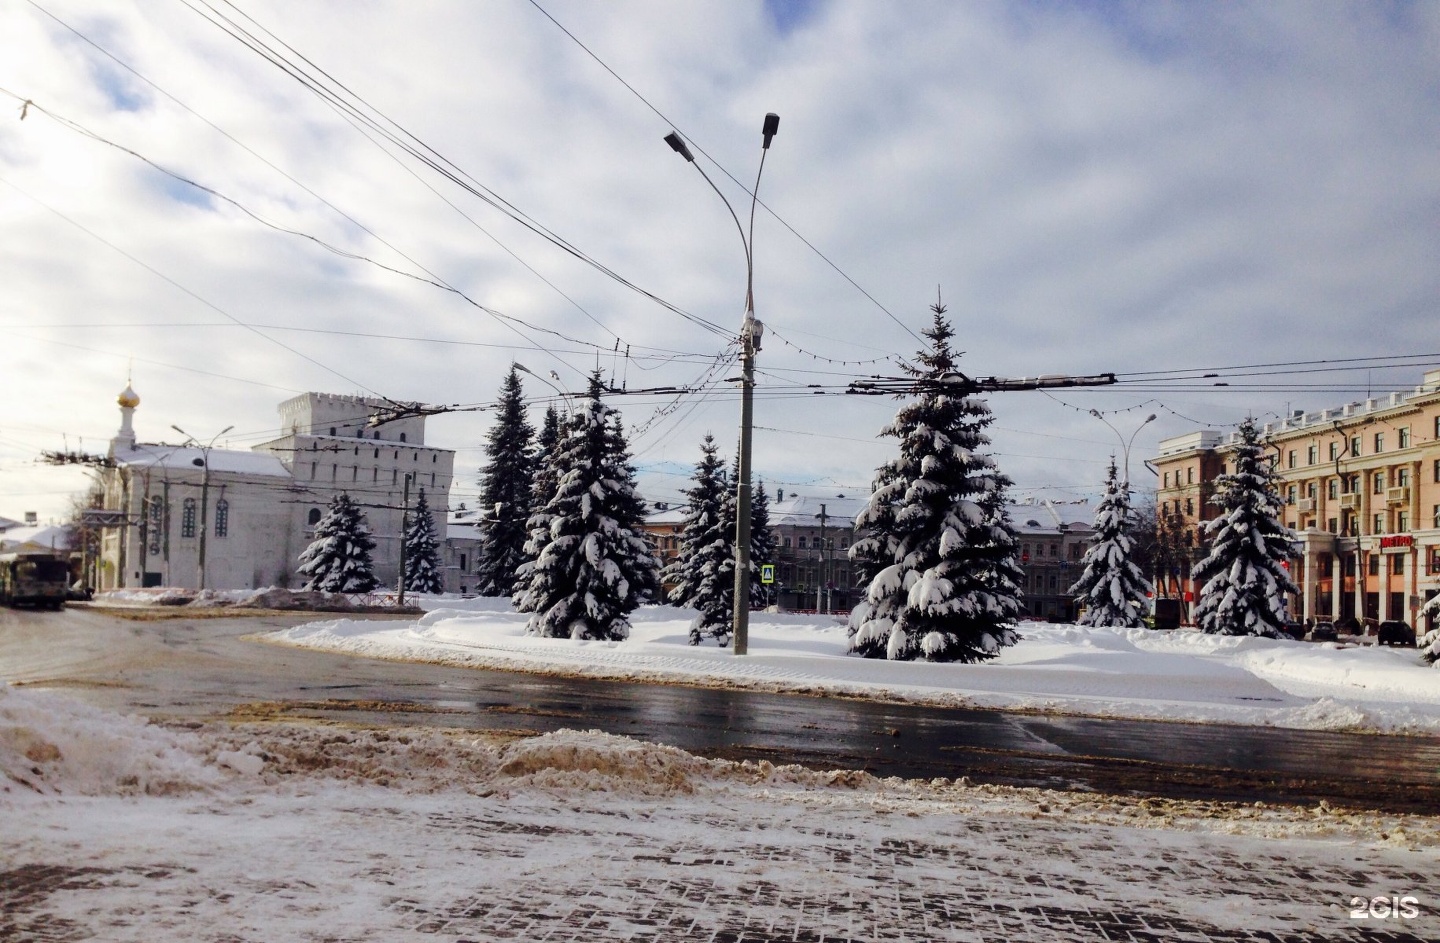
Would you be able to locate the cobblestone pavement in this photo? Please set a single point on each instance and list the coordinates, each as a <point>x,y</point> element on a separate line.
<point>724,866</point>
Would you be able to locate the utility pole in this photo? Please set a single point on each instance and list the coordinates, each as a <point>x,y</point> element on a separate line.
<point>751,331</point>
<point>404,526</point>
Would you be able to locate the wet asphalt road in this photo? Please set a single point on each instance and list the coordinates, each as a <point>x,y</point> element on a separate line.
<point>195,669</point>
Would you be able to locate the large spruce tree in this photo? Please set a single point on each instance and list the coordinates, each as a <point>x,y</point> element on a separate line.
<point>338,560</point>
<point>594,565</point>
<point>542,490</point>
<point>945,585</point>
<point>703,573</point>
<point>422,551</point>
<point>1112,586</point>
<point>506,492</point>
<point>1244,579</point>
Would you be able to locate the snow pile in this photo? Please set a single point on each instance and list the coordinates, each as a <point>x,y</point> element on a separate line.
<point>269,597</point>
<point>50,744</point>
<point>1108,672</point>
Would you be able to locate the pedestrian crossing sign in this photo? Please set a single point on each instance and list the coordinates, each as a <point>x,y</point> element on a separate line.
<point>767,573</point>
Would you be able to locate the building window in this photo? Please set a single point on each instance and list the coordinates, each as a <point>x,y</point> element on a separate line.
<point>187,518</point>
<point>1354,446</point>
<point>312,470</point>
<point>394,476</point>
<point>1374,564</point>
<point>313,517</point>
<point>785,542</point>
<point>432,479</point>
<point>1437,470</point>
<point>1310,489</point>
<point>1290,495</point>
<point>1397,564</point>
<point>1377,483</point>
<point>1402,521</point>
<point>354,472</point>
<point>222,518</point>
<point>1290,459</point>
<point>332,430</point>
<point>435,458</point>
<point>1334,451</point>
<point>1435,522</point>
<point>462,562</point>
<point>1312,454</point>
<point>402,437</point>
<point>1378,524</point>
<point>375,474</point>
<point>1167,479</point>
<point>1190,476</point>
<point>157,523</point>
<point>377,451</point>
<point>801,543</point>
<point>1334,527</point>
<point>1379,442</point>
<point>1402,477</point>
<point>1404,435</point>
<point>1334,488</point>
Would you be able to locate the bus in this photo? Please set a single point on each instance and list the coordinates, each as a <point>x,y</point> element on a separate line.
<point>33,579</point>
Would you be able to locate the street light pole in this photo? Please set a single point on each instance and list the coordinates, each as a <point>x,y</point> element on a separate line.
<point>751,332</point>
<point>204,488</point>
<point>1124,443</point>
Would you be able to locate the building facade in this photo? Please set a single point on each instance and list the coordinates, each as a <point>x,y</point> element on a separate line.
<point>229,519</point>
<point>1361,489</point>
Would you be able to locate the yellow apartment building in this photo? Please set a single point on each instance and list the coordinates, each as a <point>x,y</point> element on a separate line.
<point>1361,485</point>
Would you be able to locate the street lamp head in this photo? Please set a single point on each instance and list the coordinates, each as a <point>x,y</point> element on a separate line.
<point>521,367</point>
<point>1151,418</point>
<point>1095,413</point>
<point>770,128</point>
<point>678,146</point>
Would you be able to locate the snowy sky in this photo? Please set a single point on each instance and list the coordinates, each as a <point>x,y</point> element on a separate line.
<point>1093,186</point>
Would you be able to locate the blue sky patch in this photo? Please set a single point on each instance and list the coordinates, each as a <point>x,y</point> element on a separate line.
<point>790,15</point>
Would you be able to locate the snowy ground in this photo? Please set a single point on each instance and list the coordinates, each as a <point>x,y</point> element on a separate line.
<point>1181,675</point>
<point>118,830</point>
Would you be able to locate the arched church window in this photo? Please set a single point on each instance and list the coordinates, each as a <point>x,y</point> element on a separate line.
<point>222,518</point>
<point>314,517</point>
<point>157,523</point>
<point>187,518</point>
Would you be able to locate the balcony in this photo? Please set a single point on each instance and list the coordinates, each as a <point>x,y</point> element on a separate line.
<point>1350,502</point>
<point>1306,505</point>
<point>1399,495</point>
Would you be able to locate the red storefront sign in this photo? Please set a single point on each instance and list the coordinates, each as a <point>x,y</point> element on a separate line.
<point>1397,542</point>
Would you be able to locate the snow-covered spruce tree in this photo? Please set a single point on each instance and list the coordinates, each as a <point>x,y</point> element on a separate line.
<point>703,572</point>
<point>1112,587</point>
<point>338,559</point>
<point>422,551</point>
<point>542,489</point>
<point>1243,580</point>
<point>762,545</point>
<point>595,563</point>
<point>630,512</point>
<point>506,484</point>
<point>1429,642</point>
<point>947,587</point>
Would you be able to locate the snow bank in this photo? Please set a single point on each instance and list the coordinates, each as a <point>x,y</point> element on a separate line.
<point>1179,675</point>
<point>51,744</point>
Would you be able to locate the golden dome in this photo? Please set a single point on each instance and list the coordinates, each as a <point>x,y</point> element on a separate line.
<point>128,399</point>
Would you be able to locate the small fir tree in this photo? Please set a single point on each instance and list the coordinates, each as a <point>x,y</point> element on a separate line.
<point>1244,579</point>
<point>595,564</point>
<point>537,527</point>
<point>631,512</point>
<point>1429,639</point>
<point>338,559</point>
<point>703,572</point>
<point>1112,587</point>
<point>762,546</point>
<point>506,492</point>
<point>422,552</point>
<point>935,536</point>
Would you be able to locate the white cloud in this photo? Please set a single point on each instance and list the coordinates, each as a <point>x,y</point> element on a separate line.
<point>1094,188</point>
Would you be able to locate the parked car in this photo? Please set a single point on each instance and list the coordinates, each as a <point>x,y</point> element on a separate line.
<point>1295,630</point>
<point>1324,632</point>
<point>1397,633</point>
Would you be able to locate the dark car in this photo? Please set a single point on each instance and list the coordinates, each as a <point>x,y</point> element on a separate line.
<point>1295,630</point>
<point>1324,632</point>
<point>1397,633</point>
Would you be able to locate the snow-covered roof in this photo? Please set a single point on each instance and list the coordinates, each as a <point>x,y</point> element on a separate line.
<point>803,510</point>
<point>454,531</point>
<point>1047,517</point>
<point>41,538</point>
<point>672,514</point>
<point>184,458</point>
